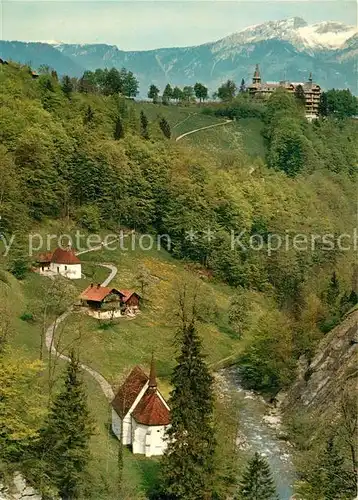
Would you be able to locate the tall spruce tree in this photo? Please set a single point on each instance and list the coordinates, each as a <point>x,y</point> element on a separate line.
<point>257,482</point>
<point>64,440</point>
<point>67,86</point>
<point>331,478</point>
<point>165,128</point>
<point>118,129</point>
<point>188,464</point>
<point>242,88</point>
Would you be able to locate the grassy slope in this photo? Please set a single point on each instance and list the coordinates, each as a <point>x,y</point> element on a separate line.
<point>243,134</point>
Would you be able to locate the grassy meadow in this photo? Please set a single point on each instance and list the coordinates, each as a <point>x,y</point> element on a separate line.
<point>113,348</point>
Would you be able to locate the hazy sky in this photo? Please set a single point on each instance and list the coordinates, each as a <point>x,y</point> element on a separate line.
<point>134,25</point>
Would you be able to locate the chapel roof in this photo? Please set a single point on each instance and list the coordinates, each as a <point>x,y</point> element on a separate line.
<point>65,256</point>
<point>151,410</point>
<point>129,391</point>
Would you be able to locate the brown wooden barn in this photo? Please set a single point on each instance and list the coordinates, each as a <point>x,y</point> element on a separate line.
<point>131,300</point>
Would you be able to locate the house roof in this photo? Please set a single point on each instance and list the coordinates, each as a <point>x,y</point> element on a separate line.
<point>68,256</point>
<point>129,391</point>
<point>151,410</point>
<point>44,257</point>
<point>97,293</point>
<point>127,294</point>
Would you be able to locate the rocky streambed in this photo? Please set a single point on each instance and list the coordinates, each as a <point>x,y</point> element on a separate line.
<point>260,430</point>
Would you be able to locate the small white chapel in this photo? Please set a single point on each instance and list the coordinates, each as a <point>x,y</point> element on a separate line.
<point>140,414</point>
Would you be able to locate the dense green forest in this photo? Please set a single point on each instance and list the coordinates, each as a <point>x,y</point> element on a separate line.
<point>97,160</point>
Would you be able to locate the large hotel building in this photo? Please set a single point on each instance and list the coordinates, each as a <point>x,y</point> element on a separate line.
<point>311,90</point>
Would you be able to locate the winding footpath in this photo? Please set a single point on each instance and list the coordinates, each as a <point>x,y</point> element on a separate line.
<point>180,137</point>
<point>50,332</point>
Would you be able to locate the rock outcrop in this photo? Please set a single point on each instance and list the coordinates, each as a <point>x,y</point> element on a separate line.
<point>333,370</point>
<point>18,490</point>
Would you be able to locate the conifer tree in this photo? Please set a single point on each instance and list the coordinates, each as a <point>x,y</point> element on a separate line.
<point>188,464</point>
<point>257,482</point>
<point>333,291</point>
<point>242,88</point>
<point>64,440</point>
<point>144,125</point>
<point>165,128</point>
<point>118,129</point>
<point>67,86</point>
<point>89,115</point>
<point>330,479</point>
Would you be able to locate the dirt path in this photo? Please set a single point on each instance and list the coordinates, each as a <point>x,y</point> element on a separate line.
<point>50,332</point>
<point>202,128</point>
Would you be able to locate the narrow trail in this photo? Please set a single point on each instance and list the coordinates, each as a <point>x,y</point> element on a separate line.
<point>185,119</point>
<point>202,128</point>
<point>51,330</point>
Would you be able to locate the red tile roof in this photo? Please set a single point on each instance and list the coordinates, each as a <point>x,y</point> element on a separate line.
<point>151,410</point>
<point>97,293</point>
<point>127,294</point>
<point>129,391</point>
<point>68,256</point>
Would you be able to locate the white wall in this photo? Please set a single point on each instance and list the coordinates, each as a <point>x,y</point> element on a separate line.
<point>148,440</point>
<point>71,271</point>
<point>104,314</point>
<point>127,428</point>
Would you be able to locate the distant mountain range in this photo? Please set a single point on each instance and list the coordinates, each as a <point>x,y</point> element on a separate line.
<point>288,49</point>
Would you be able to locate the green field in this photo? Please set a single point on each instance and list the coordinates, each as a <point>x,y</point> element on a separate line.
<point>234,138</point>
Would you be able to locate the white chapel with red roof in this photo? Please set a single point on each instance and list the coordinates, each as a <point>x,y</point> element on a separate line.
<point>140,414</point>
<point>62,261</point>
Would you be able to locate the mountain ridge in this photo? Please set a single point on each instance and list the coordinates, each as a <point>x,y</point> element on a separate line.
<point>287,48</point>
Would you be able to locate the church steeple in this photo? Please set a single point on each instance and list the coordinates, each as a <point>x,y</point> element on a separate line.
<point>257,75</point>
<point>152,376</point>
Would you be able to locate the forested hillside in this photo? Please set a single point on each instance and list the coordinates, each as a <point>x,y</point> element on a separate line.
<point>263,231</point>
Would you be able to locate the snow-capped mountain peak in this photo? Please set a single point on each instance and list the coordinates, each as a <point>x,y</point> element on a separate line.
<point>327,35</point>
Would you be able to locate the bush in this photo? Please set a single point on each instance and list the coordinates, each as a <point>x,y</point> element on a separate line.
<point>26,316</point>
<point>19,268</point>
<point>239,108</point>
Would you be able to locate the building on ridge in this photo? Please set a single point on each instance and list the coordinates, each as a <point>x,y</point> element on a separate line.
<point>140,414</point>
<point>312,91</point>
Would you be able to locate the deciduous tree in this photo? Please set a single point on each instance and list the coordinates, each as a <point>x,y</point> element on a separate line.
<point>153,93</point>
<point>201,92</point>
<point>227,91</point>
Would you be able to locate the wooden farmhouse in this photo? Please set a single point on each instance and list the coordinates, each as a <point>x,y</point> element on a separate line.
<point>108,303</point>
<point>131,300</point>
<point>62,262</point>
<point>103,302</point>
<point>140,414</point>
